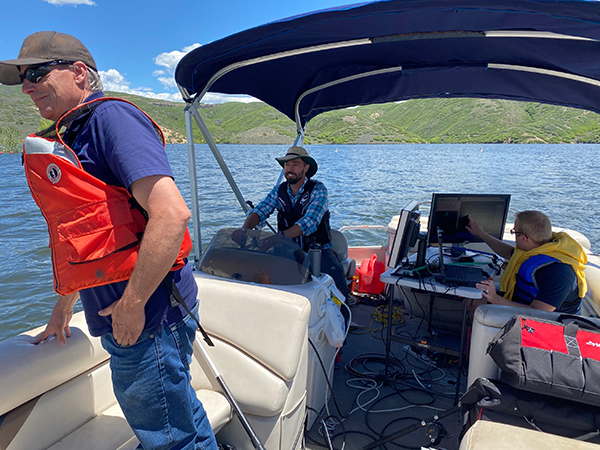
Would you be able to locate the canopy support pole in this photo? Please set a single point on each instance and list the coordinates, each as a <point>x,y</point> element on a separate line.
<point>193,108</point>
<point>197,238</point>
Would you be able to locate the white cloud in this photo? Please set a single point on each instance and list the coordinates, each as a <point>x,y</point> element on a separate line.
<point>114,81</point>
<point>211,97</point>
<point>169,61</point>
<point>71,2</point>
<point>168,82</point>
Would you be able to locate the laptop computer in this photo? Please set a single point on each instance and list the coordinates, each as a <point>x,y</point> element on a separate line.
<point>453,275</point>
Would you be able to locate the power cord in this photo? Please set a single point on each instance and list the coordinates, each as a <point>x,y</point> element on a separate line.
<point>326,376</point>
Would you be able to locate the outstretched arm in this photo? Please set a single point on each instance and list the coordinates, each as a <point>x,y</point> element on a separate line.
<point>59,320</point>
<point>251,221</point>
<point>499,247</point>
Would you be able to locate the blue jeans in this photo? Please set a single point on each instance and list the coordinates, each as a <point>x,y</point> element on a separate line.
<point>152,383</point>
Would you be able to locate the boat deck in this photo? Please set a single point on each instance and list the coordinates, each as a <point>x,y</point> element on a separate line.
<point>368,405</point>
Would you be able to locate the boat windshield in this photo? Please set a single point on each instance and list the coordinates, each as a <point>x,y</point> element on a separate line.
<point>255,256</point>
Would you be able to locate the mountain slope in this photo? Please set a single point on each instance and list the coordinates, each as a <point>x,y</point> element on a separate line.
<point>415,121</point>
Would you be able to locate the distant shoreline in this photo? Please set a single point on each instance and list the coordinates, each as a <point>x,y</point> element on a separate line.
<point>419,121</point>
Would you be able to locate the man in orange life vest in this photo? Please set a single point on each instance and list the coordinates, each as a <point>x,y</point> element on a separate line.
<point>109,158</point>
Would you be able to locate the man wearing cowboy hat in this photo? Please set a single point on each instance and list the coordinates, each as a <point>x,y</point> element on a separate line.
<point>302,211</point>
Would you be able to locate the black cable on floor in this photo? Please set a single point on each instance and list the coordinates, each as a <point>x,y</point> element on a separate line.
<point>395,366</point>
<point>399,420</point>
<point>326,378</point>
<point>329,442</point>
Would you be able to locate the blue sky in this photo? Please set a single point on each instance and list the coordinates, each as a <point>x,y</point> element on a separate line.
<point>137,44</point>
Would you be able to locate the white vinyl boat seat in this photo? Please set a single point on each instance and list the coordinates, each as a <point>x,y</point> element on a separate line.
<point>59,398</point>
<point>260,337</point>
<point>485,435</point>
<point>339,245</point>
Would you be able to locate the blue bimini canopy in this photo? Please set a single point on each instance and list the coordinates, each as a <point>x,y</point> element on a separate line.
<point>543,51</point>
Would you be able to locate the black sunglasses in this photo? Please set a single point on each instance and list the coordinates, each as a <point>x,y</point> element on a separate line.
<point>36,72</point>
<point>517,233</point>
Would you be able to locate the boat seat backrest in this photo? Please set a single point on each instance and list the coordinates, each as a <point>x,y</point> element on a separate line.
<point>61,398</point>
<point>339,245</point>
<point>42,367</point>
<point>260,337</point>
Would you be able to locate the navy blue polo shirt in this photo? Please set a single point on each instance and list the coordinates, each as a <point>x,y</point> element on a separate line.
<point>118,144</point>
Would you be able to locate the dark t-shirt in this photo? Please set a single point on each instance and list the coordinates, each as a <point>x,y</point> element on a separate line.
<point>118,145</point>
<point>557,286</point>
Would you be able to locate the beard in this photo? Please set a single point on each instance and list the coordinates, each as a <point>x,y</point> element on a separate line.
<point>292,178</point>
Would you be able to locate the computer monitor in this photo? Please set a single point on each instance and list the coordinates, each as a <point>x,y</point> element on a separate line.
<point>450,212</point>
<point>406,234</point>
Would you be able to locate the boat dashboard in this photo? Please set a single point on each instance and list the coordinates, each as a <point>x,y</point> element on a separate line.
<point>255,256</point>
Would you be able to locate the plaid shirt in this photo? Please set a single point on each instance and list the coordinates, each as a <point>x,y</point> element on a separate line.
<point>317,207</point>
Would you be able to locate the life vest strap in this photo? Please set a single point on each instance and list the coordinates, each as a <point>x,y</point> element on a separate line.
<point>176,299</point>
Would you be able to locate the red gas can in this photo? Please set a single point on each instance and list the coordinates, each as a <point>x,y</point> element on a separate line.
<point>369,276</point>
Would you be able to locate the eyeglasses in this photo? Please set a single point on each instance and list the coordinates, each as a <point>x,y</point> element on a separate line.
<point>516,233</point>
<point>36,72</point>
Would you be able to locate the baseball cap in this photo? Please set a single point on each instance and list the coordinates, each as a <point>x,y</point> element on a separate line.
<point>43,47</point>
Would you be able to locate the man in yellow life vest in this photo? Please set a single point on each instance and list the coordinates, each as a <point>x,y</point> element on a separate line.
<point>545,269</point>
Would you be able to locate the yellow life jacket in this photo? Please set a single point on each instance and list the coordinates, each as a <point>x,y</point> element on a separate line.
<point>562,247</point>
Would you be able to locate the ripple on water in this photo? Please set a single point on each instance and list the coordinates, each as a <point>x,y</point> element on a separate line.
<point>366,184</point>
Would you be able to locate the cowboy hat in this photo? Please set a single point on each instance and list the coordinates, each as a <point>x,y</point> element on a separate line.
<point>298,152</point>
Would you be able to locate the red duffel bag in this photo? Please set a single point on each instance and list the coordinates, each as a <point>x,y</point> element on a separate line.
<point>559,358</point>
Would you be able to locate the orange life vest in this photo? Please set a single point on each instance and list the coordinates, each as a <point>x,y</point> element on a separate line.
<point>95,228</point>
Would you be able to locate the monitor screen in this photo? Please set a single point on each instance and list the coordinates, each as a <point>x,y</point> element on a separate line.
<point>406,234</point>
<point>450,212</point>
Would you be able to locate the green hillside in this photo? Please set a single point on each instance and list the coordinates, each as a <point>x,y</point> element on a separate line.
<point>414,121</point>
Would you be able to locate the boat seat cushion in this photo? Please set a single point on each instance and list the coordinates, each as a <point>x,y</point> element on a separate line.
<point>47,365</point>
<point>339,244</point>
<point>239,320</point>
<point>485,435</point>
<point>260,338</point>
<point>110,431</point>
<point>82,409</point>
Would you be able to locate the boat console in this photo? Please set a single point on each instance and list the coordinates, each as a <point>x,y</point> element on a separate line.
<point>256,257</point>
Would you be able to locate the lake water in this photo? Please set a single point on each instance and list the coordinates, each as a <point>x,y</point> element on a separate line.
<point>367,186</point>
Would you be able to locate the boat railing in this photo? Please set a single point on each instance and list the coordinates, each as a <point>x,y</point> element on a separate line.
<point>362,227</point>
<point>361,253</point>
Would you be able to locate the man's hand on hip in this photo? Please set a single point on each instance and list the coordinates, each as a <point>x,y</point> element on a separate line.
<point>128,320</point>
